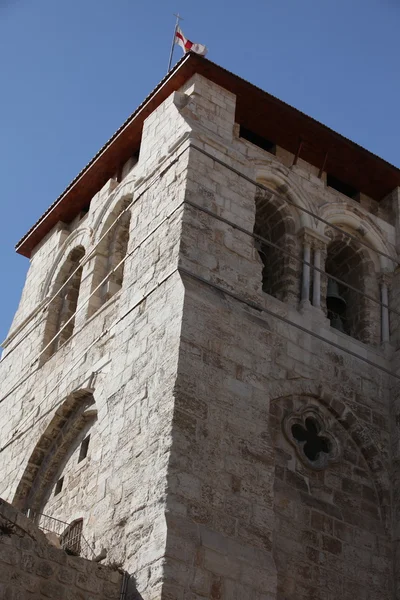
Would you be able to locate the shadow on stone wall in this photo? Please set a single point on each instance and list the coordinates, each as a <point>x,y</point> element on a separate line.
<point>31,566</point>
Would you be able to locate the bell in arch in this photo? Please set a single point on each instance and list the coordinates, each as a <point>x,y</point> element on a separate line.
<point>336,305</point>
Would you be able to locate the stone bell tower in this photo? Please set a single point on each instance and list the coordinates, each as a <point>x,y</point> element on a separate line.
<point>201,377</point>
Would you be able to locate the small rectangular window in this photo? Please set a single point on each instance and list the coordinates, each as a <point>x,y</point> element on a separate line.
<point>59,486</point>
<point>257,140</point>
<point>84,449</point>
<point>342,187</point>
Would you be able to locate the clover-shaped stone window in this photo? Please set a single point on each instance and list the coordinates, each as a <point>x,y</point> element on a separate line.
<point>314,445</point>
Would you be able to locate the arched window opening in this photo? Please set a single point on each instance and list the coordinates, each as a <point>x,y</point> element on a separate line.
<point>71,538</point>
<point>110,264</point>
<point>54,460</point>
<point>347,310</point>
<point>117,244</point>
<point>274,223</point>
<point>61,311</point>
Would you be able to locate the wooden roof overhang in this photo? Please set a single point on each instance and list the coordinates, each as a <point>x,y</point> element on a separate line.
<point>257,111</point>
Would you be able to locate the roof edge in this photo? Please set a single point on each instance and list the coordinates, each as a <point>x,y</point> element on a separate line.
<point>100,153</point>
<point>189,64</point>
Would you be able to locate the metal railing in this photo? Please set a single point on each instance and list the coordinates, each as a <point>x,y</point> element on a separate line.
<point>69,535</point>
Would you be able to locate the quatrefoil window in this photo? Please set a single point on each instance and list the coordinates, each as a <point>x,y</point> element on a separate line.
<point>309,434</point>
<point>314,445</point>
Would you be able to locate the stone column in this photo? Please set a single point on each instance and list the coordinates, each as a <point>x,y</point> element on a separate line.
<point>385,330</point>
<point>305,287</point>
<point>316,296</point>
<point>319,246</point>
<point>317,242</point>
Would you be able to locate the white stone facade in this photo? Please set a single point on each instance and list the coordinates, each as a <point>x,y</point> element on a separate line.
<point>183,376</point>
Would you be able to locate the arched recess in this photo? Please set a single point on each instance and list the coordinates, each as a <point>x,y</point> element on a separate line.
<point>61,310</point>
<point>52,450</point>
<point>356,430</point>
<point>111,207</point>
<point>80,237</point>
<point>331,520</point>
<point>369,257</point>
<point>360,225</point>
<point>278,179</point>
<point>109,264</point>
<point>353,264</point>
<point>277,223</point>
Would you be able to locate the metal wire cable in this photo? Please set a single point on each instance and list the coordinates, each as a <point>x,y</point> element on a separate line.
<point>264,240</point>
<point>237,172</point>
<point>80,264</point>
<point>29,373</point>
<point>24,378</point>
<point>85,259</point>
<point>290,255</point>
<point>271,313</point>
<point>17,434</point>
<point>84,301</point>
<point>249,180</point>
<point>297,206</point>
<point>242,300</point>
<point>82,304</point>
<point>222,219</point>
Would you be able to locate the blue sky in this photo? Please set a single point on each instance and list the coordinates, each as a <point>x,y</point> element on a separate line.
<point>71,72</point>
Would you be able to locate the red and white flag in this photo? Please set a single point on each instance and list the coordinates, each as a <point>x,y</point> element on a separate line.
<point>187,45</point>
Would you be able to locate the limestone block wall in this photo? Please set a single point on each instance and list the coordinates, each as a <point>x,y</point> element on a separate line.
<point>190,378</point>
<point>41,260</point>
<point>30,567</point>
<point>245,513</point>
<point>248,515</point>
<point>113,379</point>
<point>220,508</point>
<point>332,530</point>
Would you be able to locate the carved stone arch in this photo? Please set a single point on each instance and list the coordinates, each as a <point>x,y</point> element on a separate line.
<point>356,269</point>
<point>276,178</point>
<point>357,432</point>
<point>367,257</point>
<point>119,197</point>
<point>60,318</point>
<point>333,516</point>
<point>362,317</point>
<point>360,225</point>
<point>275,226</point>
<point>112,239</point>
<point>342,412</point>
<point>52,449</point>
<point>120,203</point>
<point>80,237</point>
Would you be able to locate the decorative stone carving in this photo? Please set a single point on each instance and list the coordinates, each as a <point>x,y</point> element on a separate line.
<point>314,444</point>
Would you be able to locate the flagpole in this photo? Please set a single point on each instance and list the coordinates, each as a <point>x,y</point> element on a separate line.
<point>178,18</point>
